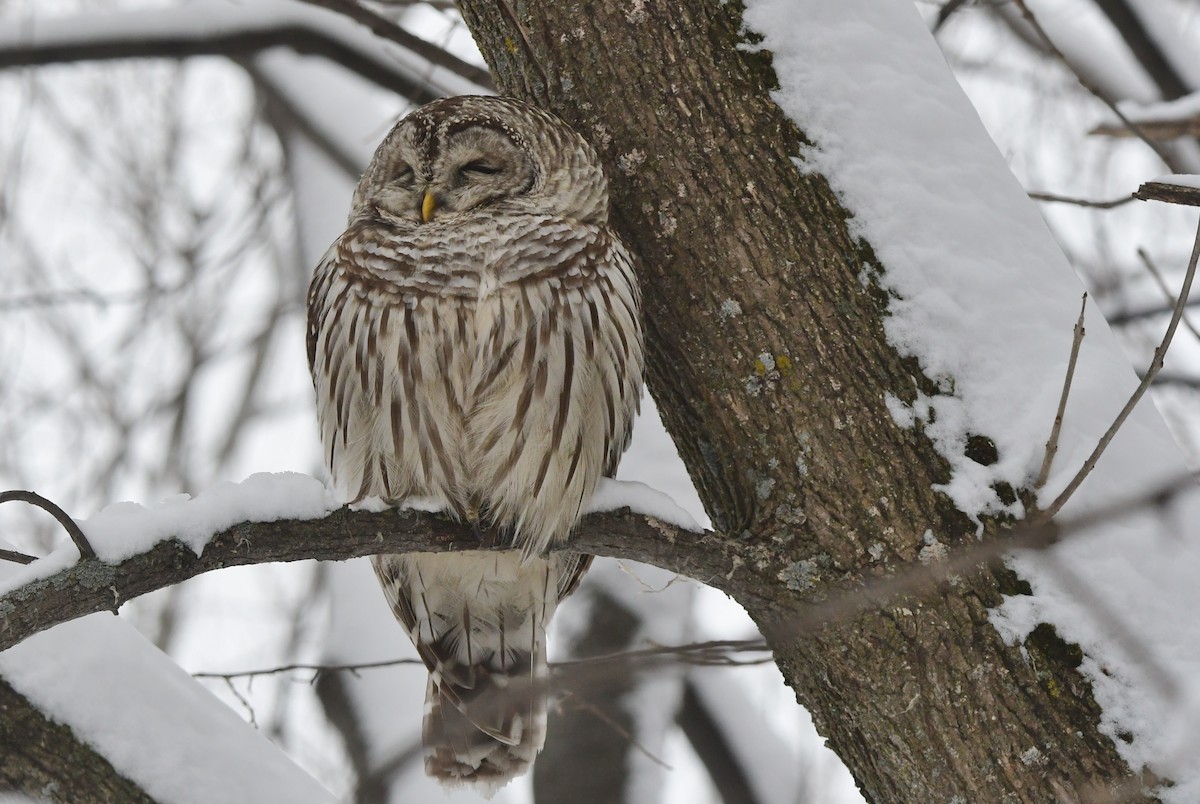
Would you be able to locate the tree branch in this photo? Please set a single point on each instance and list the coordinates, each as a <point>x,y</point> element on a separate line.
<point>1054,198</point>
<point>1147,379</point>
<point>1171,193</point>
<point>712,745</point>
<point>92,585</point>
<point>714,653</point>
<point>59,514</point>
<point>384,28</point>
<point>178,35</point>
<point>1144,48</point>
<point>47,759</point>
<point>1090,86</point>
<point>1056,429</point>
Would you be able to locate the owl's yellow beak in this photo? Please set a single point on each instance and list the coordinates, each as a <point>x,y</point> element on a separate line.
<point>428,205</point>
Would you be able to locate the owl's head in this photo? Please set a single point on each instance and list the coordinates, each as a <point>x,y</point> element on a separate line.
<point>473,155</point>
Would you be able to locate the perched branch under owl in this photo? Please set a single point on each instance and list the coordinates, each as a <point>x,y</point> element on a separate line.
<point>91,585</point>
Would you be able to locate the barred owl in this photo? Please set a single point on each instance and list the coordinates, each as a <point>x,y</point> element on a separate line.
<point>475,339</point>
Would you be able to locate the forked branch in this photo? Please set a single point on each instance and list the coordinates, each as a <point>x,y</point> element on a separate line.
<point>1147,379</point>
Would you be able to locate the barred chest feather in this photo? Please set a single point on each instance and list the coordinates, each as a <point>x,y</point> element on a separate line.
<point>497,374</point>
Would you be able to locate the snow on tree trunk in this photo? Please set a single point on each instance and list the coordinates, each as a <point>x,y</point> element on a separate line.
<point>769,361</point>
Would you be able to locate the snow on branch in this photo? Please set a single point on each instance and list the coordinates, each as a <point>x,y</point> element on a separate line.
<point>291,518</point>
<point>288,517</point>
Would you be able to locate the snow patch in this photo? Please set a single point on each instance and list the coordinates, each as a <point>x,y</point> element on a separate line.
<point>149,718</point>
<point>613,495</point>
<point>125,529</point>
<point>983,296</point>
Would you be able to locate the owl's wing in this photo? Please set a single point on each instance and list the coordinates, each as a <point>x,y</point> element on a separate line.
<point>610,326</point>
<point>618,293</point>
<point>574,567</point>
<point>342,340</point>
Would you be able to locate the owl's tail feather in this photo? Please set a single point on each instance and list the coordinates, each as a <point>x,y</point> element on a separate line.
<point>485,728</point>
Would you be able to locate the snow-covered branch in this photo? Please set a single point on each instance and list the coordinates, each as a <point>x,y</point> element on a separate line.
<point>140,550</point>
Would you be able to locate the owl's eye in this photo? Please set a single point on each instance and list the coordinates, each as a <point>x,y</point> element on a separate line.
<point>479,168</point>
<point>404,175</point>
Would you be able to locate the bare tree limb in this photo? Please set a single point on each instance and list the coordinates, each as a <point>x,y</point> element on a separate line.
<point>1154,129</point>
<point>1141,44</point>
<point>16,558</point>
<point>92,585</point>
<point>68,524</point>
<point>881,592</point>
<point>1052,441</point>
<point>302,33</point>
<point>1120,319</point>
<point>1166,291</point>
<point>713,653</point>
<point>285,113</point>
<point>384,28</point>
<point>1081,202</point>
<point>1155,366</point>
<point>712,746</point>
<point>1088,85</point>
<point>944,13</point>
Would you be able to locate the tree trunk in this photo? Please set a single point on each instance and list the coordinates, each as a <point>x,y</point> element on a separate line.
<point>768,360</point>
<point>45,759</point>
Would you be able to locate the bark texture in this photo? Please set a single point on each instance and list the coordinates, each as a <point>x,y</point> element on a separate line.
<point>44,759</point>
<point>768,360</point>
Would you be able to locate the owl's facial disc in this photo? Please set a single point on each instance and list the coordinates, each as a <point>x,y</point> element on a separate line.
<point>476,166</point>
<point>399,189</point>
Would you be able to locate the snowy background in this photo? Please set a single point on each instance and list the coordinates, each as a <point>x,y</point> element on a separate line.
<point>158,222</point>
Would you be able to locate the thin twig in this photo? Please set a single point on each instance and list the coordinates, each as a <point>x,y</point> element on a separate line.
<point>604,718</point>
<point>318,669</point>
<point>1155,367</point>
<point>708,654</point>
<point>301,35</point>
<point>1179,380</point>
<point>1054,198</point>
<point>1086,84</point>
<point>388,29</point>
<point>68,524</point>
<point>15,557</point>
<point>242,700</point>
<point>1162,285</point>
<point>1056,430</point>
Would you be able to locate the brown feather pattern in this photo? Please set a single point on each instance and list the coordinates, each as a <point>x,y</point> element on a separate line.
<point>488,360</point>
